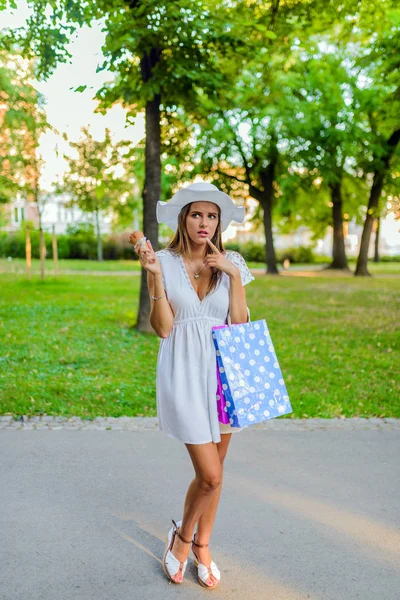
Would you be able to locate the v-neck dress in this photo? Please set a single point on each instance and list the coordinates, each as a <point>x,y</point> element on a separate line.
<point>186,378</point>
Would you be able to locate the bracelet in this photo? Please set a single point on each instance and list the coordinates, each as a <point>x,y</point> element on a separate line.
<point>154,298</point>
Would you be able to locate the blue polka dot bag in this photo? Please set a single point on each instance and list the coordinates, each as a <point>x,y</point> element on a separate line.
<point>252,382</point>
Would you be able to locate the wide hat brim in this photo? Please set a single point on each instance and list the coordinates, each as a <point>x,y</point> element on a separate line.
<point>167,212</point>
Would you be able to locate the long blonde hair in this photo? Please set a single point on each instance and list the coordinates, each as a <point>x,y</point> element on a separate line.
<point>180,243</point>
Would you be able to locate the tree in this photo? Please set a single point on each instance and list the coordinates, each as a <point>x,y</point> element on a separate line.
<point>379,96</point>
<point>91,181</point>
<point>162,54</point>
<point>295,116</point>
<point>22,121</point>
<point>325,146</point>
<point>245,134</point>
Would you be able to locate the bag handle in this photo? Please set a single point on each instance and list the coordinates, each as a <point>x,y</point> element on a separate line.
<point>230,320</point>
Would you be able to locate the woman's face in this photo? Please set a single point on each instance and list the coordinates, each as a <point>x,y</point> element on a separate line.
<point>202,216</point>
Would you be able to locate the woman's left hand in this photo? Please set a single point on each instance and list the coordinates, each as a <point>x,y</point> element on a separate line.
<point>218,260</point>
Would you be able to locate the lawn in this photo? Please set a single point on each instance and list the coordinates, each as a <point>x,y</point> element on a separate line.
<point>17,266</point>
<point>68,345</point>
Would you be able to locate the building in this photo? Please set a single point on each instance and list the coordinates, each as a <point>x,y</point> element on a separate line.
<point>55,213</point>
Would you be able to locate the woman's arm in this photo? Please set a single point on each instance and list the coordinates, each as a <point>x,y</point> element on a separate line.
<point>161,314</point>
<point>237,299</point>
<point>239,274</point>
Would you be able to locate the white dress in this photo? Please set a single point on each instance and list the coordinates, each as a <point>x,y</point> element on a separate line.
<point>186,379</point>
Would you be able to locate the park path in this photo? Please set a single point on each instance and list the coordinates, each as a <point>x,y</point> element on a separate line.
<point>306,512</point>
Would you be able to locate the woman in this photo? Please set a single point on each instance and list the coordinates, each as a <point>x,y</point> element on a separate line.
<point>194,284</point>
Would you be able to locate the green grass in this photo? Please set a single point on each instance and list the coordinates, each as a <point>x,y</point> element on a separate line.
<point>17,265</point>
<point>68,346</point>
<point>391,268</point>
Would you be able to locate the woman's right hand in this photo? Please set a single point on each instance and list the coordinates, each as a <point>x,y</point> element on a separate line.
<point>148,259</point>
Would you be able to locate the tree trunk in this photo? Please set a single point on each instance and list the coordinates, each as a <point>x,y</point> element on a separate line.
<point>339,259</point>
<point>266,200</point>
<point>99,241</point>
<point>152,182</point>
<point>377,185</point>
<point>377,232</point>
<point>151,195</point>
<point>270,256</point>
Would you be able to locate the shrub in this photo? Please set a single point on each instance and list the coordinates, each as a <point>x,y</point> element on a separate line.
<point>63,246</point>
<point>82,241</point>
<point>251,251</point>
<point>232,246</point>
<point>394,258</point>
<point>117,247</point>
<point>322,259</point>
<point>13,244</point>
<point>301,254</point>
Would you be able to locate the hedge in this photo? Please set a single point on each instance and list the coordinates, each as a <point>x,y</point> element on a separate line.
<point>80,242</point>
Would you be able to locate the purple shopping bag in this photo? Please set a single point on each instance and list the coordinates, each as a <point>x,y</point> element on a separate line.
<point>223,416</point>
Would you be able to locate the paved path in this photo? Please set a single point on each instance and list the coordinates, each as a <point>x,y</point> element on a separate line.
<point>146,423</point>
<point>309,510</point>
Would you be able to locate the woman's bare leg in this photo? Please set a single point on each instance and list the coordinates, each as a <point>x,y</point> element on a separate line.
<point>202,499</point>
<point>208,469</point>
<point>207,518</point>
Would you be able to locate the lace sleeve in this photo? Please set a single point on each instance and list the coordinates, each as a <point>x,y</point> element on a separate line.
<point>239,261</point>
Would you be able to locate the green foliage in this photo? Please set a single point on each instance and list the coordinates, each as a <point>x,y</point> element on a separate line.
<point>13,244</point>
<point>79,242</point>
<point>254,252</point>
<point>232,246</point>
<point>308,90</point>
<point>170,49</point>
<point>300,106</point>
<point>91,181</point>
<point>389,259</point>
<point>22,121</point>
<point>300,254</point>
<point>118,248</point>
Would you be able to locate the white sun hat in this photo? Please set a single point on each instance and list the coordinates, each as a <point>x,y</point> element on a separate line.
<point>167,212</point>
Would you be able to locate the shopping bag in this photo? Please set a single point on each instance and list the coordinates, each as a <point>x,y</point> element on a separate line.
<point>223,416</point>
<point>253,388</point>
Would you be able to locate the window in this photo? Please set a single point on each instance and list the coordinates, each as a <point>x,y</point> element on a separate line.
<point>18,214</point>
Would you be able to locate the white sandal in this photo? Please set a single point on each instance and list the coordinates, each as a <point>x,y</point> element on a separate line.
<point>203,572</point>
<point>171,564</point>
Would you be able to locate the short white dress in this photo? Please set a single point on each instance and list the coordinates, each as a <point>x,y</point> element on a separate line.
<point>186,378</point>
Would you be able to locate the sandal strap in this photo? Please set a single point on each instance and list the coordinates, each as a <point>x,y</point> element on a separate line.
<point>179,535</point>
<point>199,545</point>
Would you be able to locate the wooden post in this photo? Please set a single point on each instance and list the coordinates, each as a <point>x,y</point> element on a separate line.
<point>55,251</point>
<point>28,252</point>
<point>42,253</point>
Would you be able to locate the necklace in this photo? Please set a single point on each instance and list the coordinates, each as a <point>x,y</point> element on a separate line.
<point>196,275</point>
